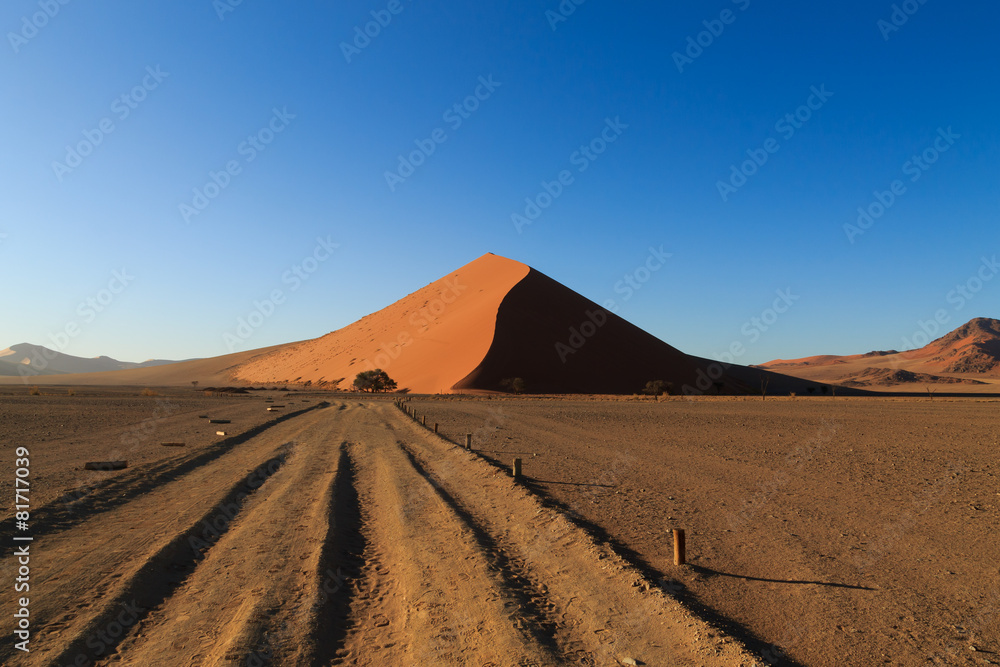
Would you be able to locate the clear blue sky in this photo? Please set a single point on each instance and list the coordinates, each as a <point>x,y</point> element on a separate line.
<point>222,76</point>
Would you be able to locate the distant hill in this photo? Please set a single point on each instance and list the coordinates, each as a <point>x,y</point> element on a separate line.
<point>969,355</point>
<point>26,359</point>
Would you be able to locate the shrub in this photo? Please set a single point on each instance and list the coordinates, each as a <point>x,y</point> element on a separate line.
<point>148,392</point>
<point>655,387</point>
<point>35,391</point>
<point>71,393</point>
<point>513,385</point>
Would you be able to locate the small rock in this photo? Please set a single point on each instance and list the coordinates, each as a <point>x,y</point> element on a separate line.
<point>629,661</point>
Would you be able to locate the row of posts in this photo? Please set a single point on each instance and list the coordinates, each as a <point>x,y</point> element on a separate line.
<point>679,541</point>
<point>412,413</point>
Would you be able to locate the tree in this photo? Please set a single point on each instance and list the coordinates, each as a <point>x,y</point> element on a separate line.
<point>194,383</point>
<point>657,387</point>
<point>375,381</point>
<point>515,385</point>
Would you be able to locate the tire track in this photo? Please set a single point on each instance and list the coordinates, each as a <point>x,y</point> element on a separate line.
<point>372,542</point>
<point>258,591</point>
<point>603,603</point>
<point>70,509</point>
<point>428,593</point>
<point>139,552</point>
<point>539,617</point>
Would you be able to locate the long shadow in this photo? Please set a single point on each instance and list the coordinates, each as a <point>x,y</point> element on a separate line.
<point>709,572</point>
<point>771,653</point>
<point>533,483</point>
<point>341,562</point>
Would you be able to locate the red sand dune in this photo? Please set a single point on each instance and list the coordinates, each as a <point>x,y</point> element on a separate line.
<point>496,318</point>
<point>492,319</point>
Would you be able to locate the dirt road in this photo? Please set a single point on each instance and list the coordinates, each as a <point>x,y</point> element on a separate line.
<point>345,535</point>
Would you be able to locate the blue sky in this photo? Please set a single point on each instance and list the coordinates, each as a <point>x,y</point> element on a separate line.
<point>325,114</point>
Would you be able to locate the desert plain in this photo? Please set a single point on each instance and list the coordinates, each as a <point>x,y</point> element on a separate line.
<point>338,530</point>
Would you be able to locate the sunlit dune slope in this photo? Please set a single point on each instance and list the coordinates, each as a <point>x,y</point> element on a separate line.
<point>426,341</point>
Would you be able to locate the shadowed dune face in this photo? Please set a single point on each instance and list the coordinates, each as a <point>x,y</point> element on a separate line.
<point>426,341</point>
<point>561,342</point>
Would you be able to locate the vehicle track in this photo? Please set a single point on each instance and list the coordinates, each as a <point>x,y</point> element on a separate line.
<point>369,541</point>
<point>257,588</point>
<point>606,609</point>
<point>136,553</point>
<point>73,508</point>
<point>464,566</point>
<point>429,594</point>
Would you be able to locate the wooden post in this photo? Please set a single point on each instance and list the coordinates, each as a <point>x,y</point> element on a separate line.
<point>435,427</point>
<point>679,558</point>
<point>517,468</point>
<point>468,441</point>
<point>423,420</point>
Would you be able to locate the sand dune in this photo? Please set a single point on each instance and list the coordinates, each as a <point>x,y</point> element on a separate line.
<point>490,320</point>
<point>495,319</point>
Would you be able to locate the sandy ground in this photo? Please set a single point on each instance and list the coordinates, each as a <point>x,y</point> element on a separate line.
<point>344,534</point>
<point>840,531</point>
<point>64,432</point>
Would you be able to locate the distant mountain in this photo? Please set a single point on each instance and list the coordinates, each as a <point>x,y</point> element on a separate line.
<point>968,355</point>
<point>26,359</point>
